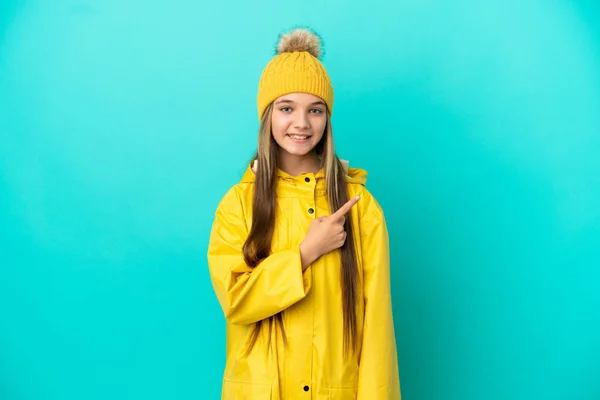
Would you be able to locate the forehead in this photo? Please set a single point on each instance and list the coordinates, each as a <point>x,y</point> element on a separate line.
<point>299,98</point>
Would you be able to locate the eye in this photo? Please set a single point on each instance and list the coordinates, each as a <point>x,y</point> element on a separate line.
<point>285,109</point>
<point>316,111</point>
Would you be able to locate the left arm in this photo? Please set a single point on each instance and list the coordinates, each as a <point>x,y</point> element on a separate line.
<point>378,370</point>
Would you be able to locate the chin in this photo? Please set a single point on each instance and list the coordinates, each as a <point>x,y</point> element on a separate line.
<point>296,152</point>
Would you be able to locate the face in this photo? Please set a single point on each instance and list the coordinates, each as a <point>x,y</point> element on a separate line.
<point>298,122</point>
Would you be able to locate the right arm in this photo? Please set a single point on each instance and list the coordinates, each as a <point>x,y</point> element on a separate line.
<point>248,295</point>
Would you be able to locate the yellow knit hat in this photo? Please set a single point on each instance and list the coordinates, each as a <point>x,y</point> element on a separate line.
<point>295,68</point>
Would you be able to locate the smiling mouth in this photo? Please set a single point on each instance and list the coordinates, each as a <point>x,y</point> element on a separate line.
<point>299,137</point>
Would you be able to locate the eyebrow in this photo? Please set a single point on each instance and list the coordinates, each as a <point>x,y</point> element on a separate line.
<point>319,102</point>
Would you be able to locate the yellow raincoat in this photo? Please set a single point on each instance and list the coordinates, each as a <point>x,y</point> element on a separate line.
<point>311,365</point>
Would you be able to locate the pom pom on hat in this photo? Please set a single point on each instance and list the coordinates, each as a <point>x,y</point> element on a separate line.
<point>300,39</point>
<point>295,68</point>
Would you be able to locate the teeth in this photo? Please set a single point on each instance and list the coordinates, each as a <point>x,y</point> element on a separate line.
<point>298,137</point>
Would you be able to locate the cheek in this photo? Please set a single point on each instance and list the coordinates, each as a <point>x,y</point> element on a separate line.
<point>319,126</point>
<point>279,125</point>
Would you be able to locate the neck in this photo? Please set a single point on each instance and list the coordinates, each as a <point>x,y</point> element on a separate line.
<point>297,165</point>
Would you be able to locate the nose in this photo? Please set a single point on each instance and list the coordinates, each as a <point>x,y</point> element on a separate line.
<point>301,121</point>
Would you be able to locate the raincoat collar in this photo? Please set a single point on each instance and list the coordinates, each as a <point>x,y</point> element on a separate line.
<point>353,175</point>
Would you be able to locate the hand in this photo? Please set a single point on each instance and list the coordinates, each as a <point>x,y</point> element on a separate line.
<point>325,234</point>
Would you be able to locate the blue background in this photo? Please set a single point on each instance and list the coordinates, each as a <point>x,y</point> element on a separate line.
<point>122,123</point>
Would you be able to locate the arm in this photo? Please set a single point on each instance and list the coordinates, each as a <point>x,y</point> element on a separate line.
<point>378,369</point>
<point>246,294</point>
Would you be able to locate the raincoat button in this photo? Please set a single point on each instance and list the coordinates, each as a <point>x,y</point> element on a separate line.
<point>307,179</point>
<point>310,210</point>
<point>306,388</point>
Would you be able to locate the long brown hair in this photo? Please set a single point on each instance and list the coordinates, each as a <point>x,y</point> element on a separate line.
<point>258,244</point>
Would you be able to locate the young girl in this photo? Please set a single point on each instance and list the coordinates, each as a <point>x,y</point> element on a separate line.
<point>299,255</point>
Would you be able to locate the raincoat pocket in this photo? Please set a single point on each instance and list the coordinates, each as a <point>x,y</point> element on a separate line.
<point>233,390</point>
<point>342,393</point>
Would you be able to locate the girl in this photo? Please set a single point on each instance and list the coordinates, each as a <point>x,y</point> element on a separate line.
<point>299,265</point>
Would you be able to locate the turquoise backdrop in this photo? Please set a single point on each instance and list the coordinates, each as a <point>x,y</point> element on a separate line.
<point>122,123</point>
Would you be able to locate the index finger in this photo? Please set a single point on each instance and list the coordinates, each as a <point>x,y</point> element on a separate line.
<point>345,208</point>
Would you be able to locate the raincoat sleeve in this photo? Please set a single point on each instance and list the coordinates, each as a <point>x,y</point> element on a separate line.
<point>248,295</point>
<point>378,371</point>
